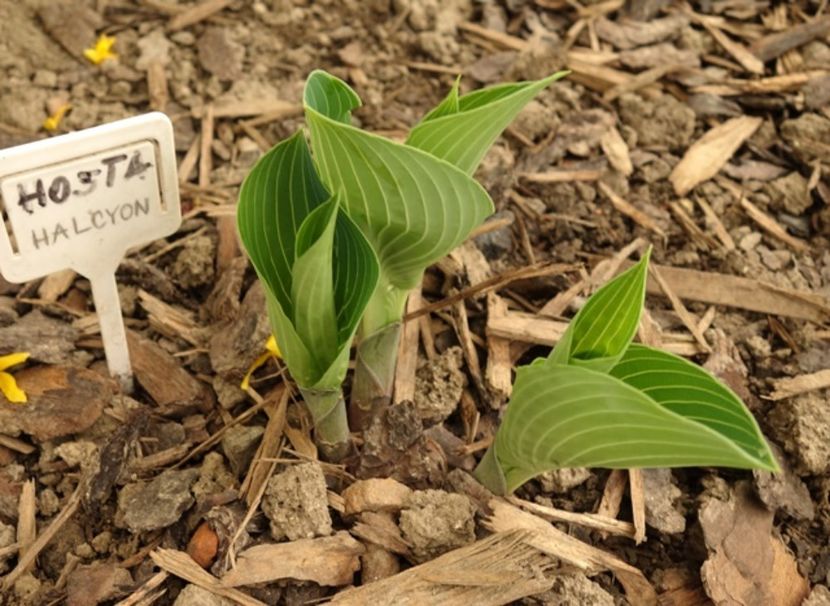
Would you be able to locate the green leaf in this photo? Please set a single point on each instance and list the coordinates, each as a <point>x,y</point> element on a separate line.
<point>318,270</point>
<point>688,390</point>
<point>570,416</point>
<point>602,330</point>
<point>462,137</point>
<point>412,207</point>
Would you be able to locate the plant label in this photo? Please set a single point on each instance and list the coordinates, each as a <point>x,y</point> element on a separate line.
<point>79,201</point>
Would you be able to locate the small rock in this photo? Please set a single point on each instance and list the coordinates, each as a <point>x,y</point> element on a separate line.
<point>499,242</point>
<point>789,194</point>
<point>436,522</point>
<point>93,584</point>
<point>438,386</point>
<point>819,596</point>
<point>158,503</point>
<point>46,339</point>
<point>784,490</point>
<point>81,453</point>
<point>750,241</point>
<point>26,588</point>
<point>664,121</point>
<point>62,401</point>
<point>220,55</point>
<point>193,595</point>
<point>809,136</point>
<point>239,444</point>
<point>228,392</point>
<point>214,477</point>
<point>375,494</point>
<point>194,265</point>
<point>559,481</point>
<point>758,346</point>
<point>661,493</point>
<point>575,590</point>
<point>48,503</point>
<point>101,542</point>
<point>153,48</point>
<point>296,502</point>
<point>803,425</point>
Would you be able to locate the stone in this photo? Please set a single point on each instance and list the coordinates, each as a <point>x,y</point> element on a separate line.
<point>193,595</point>
<point>219,54</point>
<point>784,490</point>
<point>214,477</point>
<point>661,494</point>
<point>559,481</point>
<point>664,121</point>
<point>239,445</point>
<point>439,384</point>
<point>157,503</point>
<point>375,494</point>
<point>62,401</point>
<point>153,48</point>
<point>789,194</point>
<point>575,590</point>
<point>809,136</point>
<point>499,242</point>
<point>803,426</point>
<point>46,339</point>
<point>436,522</point>
<point>93,584</point>
<point>194,265</point>
<point>296,503</point>
<point>7,537</point>
<point>819,596</point>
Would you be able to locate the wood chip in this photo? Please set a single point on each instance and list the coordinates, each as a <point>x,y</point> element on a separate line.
<point>775,45</point>
<point>612,494</point>
<point>26,522</point>
<point>497,570</point>
<point>528,328</point>
<point>708,154</point>
<point>630,211</point>
<point>375,494</point>
<point>689,321</point>
<point>330,561</point>
<point>408,351</point>
<point>593,521</point>
<point>199,12</point>
<point>562,176</point>
<point>182,565</point>
<point>789,387</point>
<point>267,110</point>
<point>771,226</point>
<point>717,226</point>
<point>616,150</point>
<point>498,374</point>
<point>740,53</point>
<point>171,321</point>
<point>55,285</point>
<point>588,559</point>
<point>206,142</point>
<point>638,504</point>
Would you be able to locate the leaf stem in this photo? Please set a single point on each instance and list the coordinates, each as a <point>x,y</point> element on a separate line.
<point>328,409</point>
<point>377,356</point>
<point>490,473</point>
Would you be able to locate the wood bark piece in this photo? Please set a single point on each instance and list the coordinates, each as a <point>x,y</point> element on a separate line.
<point>173,322</point>
<point>771,226</point>
<point>588,559</point>
<point>775,45</point>
<point>26,522</point>
<point>183,566</point>
<point>62,401</point>
<point>638,504</point>
<point>689,321</point>
<point>630,211</point>
<point>740,53</point>
<point>328,561</point>
<point>708,154</point>
<point>161,375</point>
<point>56,284</point>
<point>616,150</point>
<point>499,367</point>
<point>789,387</point>
<point>497,570</point>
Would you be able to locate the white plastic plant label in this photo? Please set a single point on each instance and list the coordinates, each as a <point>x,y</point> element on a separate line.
<point>79,201</point>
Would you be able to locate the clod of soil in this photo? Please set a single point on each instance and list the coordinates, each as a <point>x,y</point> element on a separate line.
<point>661,493</point>
<point>575,590</point>
<point>438,386</point>
<point>193,595</point>
<point>194,265</point>
<point>820,596</point>
<point>561,481</point>
<point>296,502</point>
<point>665,121</point>
<point>804,425</point>
<point>93,584</point>
<point>158,503</point>
<point>435,522</point>
<point>239,445</point>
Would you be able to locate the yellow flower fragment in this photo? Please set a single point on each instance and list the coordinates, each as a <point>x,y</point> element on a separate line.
<point>52,123</point>
<point>271,351</point>
<point>102,50</point>
<point>7,383</point>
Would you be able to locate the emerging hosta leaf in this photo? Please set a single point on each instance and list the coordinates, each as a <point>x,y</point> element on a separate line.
<point>599,334</point>
<point>318,270</point>
<point>412,207</point>
<point>462,128</point>
<point>571,416</point>
<point>688,390</point>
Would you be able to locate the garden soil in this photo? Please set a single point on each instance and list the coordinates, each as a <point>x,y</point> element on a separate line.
<point>701,128</point>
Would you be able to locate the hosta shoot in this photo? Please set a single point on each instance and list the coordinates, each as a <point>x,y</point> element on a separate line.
<point>414,202</point>
<point>599,400</point>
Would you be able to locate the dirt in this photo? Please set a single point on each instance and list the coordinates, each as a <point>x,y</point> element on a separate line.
<point>180,453</point>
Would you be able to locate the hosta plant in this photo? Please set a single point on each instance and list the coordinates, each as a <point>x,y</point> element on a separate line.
<point>599,400</point>
<point>341,230</point>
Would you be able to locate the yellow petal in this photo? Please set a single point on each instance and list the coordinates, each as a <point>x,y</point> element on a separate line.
<point>102,50</point>
<point>52,123</point>
<point>271,345</point>
<point>13,359</point>
<point>10,389</point>
<point>246,381</point>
